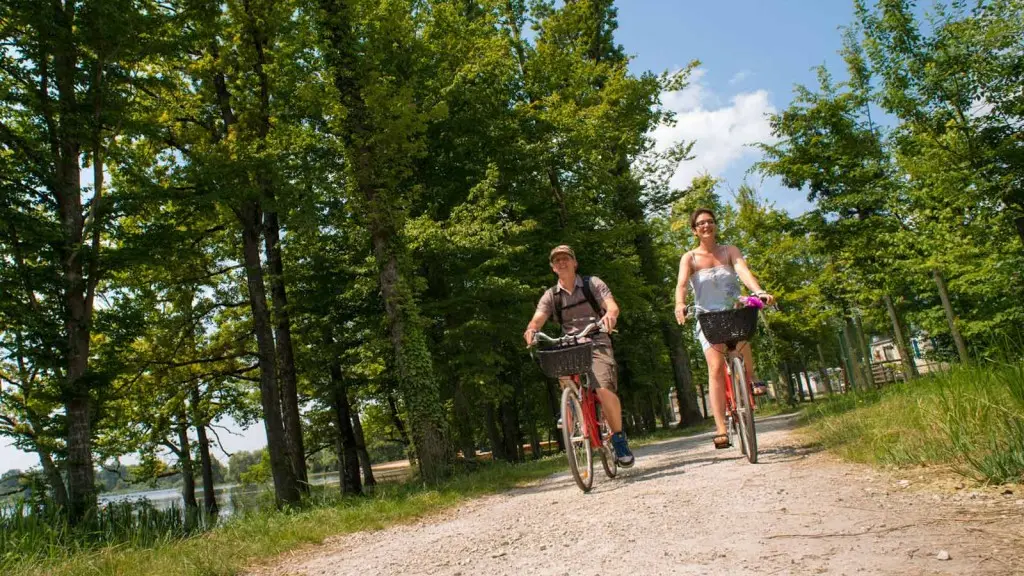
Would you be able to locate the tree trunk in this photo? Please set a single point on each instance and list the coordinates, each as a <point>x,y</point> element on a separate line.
<point>799,383</point>
<point>199,421</point>
<point>78,291</point>
<point>807,380</point>
<point>364,456</point>
<point>790,392</point>
<point>491,424</point>
<point>703,399</point>
<point>554,400</point>
<point>54,479</point>
<point>396,420</point>
<point>947,307</point>
<point>286,485</point>
<point>857,371</point>
<point>464,423</point>
<point>865,350</point>
<point>260,40</point>
<point>348,454</point>
<point>412,361</point>
<point>910,369</point>
<point>823,371</point>
<point>531,425</point>
<point>1019,222</point>
<point>285,352</point>
<point>188,487</point>
<point>682,378</point>
<point>510,430</point>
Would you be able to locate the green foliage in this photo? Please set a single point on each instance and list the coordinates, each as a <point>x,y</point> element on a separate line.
<point>968,419</point>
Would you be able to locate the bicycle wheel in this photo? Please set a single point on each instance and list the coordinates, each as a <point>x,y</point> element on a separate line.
<point>744,410</point>
<point>577,443</point>
<point>608,461</point>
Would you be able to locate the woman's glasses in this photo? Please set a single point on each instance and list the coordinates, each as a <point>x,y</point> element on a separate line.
<point>703,223</point>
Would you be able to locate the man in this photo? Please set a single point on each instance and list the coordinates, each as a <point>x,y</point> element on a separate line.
<point>575,305</point>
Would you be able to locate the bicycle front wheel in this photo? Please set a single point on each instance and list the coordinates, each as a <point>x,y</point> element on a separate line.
<point>744,410</point>
<point>577,441</point>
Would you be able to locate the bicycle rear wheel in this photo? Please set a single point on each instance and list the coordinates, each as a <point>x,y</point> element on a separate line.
<point>744,410</point>
<point>577,441</point>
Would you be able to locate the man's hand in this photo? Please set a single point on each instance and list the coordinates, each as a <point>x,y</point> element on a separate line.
<point>528,336</point>
<point>681,314</point>
<point>609,322</point>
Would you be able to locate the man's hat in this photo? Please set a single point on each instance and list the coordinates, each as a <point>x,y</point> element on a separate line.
<point>563,249</point>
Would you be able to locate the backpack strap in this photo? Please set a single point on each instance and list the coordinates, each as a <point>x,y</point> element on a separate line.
<point>558,303</point>
<point>588,293</point>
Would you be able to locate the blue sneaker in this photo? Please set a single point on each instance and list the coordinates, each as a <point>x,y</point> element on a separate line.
<point>622,454</point>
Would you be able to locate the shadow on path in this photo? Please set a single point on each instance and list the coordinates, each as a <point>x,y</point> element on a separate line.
<point>677,455</point>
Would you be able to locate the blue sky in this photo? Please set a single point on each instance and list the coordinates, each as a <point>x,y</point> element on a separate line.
<point>753,52</point>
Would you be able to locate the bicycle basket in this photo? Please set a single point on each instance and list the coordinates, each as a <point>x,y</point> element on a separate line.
<point>735,325</point>
<point>566,360</point>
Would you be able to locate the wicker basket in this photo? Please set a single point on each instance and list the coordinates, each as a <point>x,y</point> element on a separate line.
<point>566,360</point>
<point>723,326</point>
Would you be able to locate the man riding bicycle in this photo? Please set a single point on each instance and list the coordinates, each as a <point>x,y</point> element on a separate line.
<point>576,301</point>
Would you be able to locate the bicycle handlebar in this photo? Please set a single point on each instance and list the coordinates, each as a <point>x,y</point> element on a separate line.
<point>693,309</point>
<point>542,337</point>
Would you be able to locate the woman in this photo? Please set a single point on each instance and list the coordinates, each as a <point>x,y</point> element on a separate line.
<point>711,269</point>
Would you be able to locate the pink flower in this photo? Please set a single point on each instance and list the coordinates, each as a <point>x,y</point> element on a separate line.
<point>752,301</point>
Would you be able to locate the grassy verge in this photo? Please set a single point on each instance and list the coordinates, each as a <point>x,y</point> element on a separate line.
<point>246,540</point>
<point>970,419</point>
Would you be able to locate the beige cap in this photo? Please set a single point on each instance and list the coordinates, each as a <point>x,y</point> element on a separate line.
<point>563,249</point>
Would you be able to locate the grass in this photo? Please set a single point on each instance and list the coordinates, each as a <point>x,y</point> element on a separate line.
<point>970,419</point>
<point>258,536</point>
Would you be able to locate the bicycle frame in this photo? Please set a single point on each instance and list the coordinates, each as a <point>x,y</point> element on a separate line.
<point>590,401</point>
<point>730,399</point>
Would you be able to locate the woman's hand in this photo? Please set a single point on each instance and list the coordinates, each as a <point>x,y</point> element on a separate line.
<point>766,297</point>
<point>681,314</point>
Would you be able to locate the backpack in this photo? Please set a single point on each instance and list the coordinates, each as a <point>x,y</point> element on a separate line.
<point>587,293</point>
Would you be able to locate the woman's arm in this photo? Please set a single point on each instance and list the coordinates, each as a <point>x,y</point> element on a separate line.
<point>746,276</point>
<point>682,284</point>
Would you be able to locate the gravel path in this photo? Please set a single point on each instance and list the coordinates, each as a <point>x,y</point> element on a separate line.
<point>686,508</point>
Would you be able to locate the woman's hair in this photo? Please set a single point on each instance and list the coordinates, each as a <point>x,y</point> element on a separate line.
<point>696,214</point>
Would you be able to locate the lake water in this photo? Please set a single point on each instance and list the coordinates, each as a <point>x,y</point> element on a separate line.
<point>233,498</point>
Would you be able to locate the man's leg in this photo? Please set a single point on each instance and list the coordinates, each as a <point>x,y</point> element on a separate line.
<point>612,408</point>
<point>606,373</point>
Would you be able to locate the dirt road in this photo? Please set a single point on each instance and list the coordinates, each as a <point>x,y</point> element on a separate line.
<point>686,508</point>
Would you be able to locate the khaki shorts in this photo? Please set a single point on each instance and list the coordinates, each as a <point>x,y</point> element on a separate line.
<point>604,368</point>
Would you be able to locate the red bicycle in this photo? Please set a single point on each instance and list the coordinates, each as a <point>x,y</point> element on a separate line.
<point>584,427</point>
<point>730,327</point>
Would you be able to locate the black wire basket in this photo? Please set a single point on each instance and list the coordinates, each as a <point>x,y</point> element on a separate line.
<point>566,360</point>
<point>734,325</point>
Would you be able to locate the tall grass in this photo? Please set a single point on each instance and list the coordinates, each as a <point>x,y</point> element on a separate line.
<point>970,419</point>
<point>139,540</point>
<point>133,539</point>
<point>31,533</point>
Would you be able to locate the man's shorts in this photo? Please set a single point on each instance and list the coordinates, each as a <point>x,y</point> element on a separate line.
<point>604,368</point>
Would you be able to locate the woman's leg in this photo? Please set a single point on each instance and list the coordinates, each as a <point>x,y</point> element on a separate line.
<point>716,385</point>
<point>748,360</point>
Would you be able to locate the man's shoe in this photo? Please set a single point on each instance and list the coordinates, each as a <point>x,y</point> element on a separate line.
<point>622,454</point>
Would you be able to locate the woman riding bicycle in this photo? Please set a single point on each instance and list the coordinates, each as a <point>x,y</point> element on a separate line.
<point>711,269</point>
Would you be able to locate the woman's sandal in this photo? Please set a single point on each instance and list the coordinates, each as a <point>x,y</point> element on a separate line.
<point>721,441</point>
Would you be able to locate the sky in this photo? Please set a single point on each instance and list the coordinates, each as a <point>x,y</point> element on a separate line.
<point>752,51</point>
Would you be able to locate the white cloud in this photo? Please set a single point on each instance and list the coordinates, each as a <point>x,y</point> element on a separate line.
<point>722,131</point>
<point>739,77</point>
